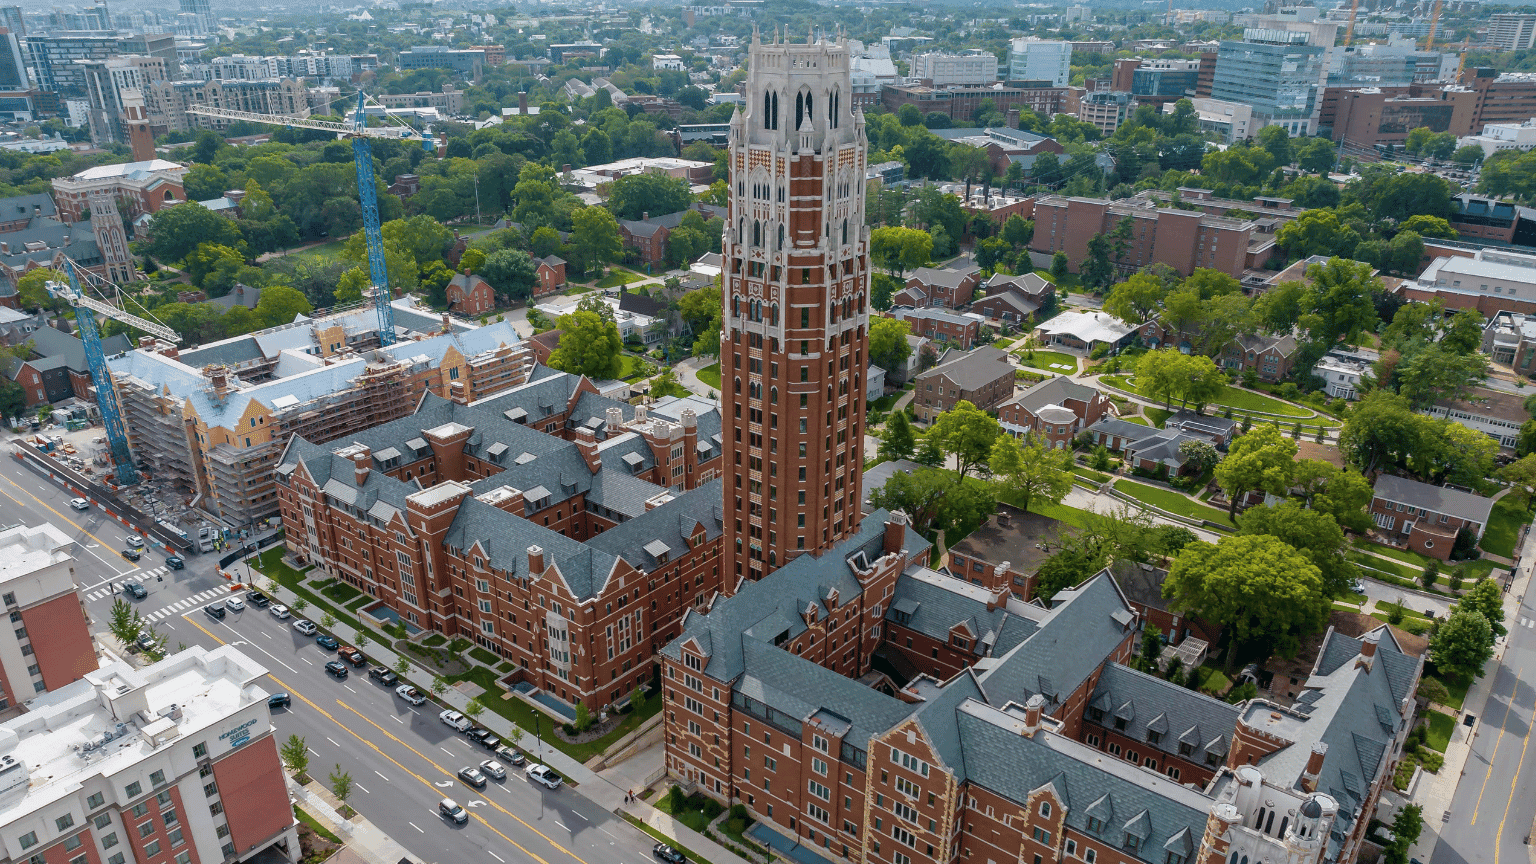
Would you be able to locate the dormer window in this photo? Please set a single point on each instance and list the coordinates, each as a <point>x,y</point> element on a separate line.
<point>1095,825</point>
<point>1096,715</point>
<point>693,662</point>
<point>1186,749</point>
<point>1120,723</point>
<point>1132,842</point>
<point>1154,737</point>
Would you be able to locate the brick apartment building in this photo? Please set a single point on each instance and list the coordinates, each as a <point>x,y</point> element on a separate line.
<point>983,377</point>
<point>1054,411</point>
<point>940,325</point>
<point>1266,355</point>
<point>1427,518</point>
<point>1014,300</point>
<point>470,295</point>
<point>1182,239</point>
<point>930,286</point>
<point>50,643</point>
<point>551,530</point>
<point>1005,552</point>
<point>549,276</point>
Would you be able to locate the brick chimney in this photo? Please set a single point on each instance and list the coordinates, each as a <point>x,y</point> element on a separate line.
<point>147,343</point>
<point>1314,767</point>
<point>587,444</point>
<point>1032,711</point>
<point>522,103</point>
<point>895,533</point>
<point>447,323</point>
<point>1367,656</point>
<point>535,560</point>
<point>362,462</point>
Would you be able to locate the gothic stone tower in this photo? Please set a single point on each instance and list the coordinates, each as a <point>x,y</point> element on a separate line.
<point>796,321</point>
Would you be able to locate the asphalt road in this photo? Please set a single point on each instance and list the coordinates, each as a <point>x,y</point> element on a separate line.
<point>402,760</point>
<point>1491,813</point>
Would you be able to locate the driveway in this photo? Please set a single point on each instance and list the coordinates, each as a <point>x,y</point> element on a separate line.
<point>688,376</point>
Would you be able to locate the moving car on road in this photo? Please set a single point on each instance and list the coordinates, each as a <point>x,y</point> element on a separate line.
<point>449,809</point>
<point>175,563</point>
<point>234,604</point>
<point>215,610</point>
<point>279,700</point>
<point>543,775</point>
<point>132,554</point>
<point>493,769</point>
<point>473,777</point>
<point>80,504</point>
<point>135,541</point>
<point>135,590</point>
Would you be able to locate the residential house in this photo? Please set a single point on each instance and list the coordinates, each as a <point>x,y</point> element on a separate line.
<point>874,383</point>
<point>648,234</point>
<point>550,276</point>
<point>940,325</point>
<point>17,327</point>
<point>542,345</point>
<point>1143,587</point>
<point>1427,518</point>
<point>1495,413</point>
<point>983,377</point>
<point>1267,356</point>
<point>470,295</point>
<point>1055,410</point>
<point>1005,552</point>
<point>930,286</point>
<point>1341,373</point>
<point>1147,448</point>
<point>1014,300</point>
<point>57,369</point>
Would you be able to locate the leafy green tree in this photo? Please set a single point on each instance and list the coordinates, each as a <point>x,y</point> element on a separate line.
<point>280,304</point>
<point>1018,231</point>
<point>1469,154</point>
<point>1316,155</point>
<point>1487,598</point>
<point>32,289</point>
<point>511,274</point>
<point>439,685</point>
<point>1317,232</point>
<point>1137,300</point>
<point>175,231</point>
<point>1060,267</point>
<point>473,709</point>
<point>402,667</point>
<point>1313,533</point>
<point>295,755</point>
<point>1428,226</point>
<point>1521,477</point>
<point>700,306</point>
<point>1339,492</point>
<point>898,440</point>
<point>658,194</point>
<point>888,345</point>
<point>1263,589</point>
<point>124,622</point>
<point>1407,825</point>
<point>203,261</point>
<point>966,433</point>
<point>1261,459</point>
<point>930,498</point>
<point>900,249</point>
<point>1277,141</point>
<point>1077,560</point>
<point>589,346</point>
<point>1151,649</point>
<point>1028,471</point>
<point>13,398</point>
<point>341,785</point>
<point>1199,455</point>
<point>1462,645</point>
<point>1098,269</point>
<point>1340,301</point>
<point>1278,309</point>
<point>595,240</point>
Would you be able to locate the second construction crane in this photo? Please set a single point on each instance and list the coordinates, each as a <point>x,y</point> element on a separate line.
<point>358,130</point>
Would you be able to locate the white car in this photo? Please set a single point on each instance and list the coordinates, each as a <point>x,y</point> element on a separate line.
<point>304,626</point>
<point>135,541</point>
<point>234,604</point>
<point>80,504</point>
<point>279,611</point>
<point>543,775</point>
<point>411,694</point>
<point>453,719</point>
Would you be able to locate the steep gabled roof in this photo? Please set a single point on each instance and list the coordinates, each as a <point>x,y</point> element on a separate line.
<point>1178,716</point>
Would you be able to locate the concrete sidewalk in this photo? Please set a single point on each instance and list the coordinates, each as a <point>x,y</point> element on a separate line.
<point>606,791</point>
<point>361,836</point>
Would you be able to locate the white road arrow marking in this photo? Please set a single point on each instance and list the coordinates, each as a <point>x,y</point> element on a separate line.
<point>445,784</point>
<point>477,803</point>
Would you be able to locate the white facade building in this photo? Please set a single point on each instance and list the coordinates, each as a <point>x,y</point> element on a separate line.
<point>1489,271</point>
<point>667,61</point>
<point>1342,372</point>
<point>1503,136</point>
<point>1034,59</point>
<point>1512,31</point>
<point>1231,120</point>
<point>172,763</point>
<point>965,69</point>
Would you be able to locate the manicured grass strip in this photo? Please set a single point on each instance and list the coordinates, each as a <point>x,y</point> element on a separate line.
<point>521,713</point>
<point>271,564</point>
<point>1440,728</point>
<point>1173,502</point>
<point>1416,626</point>
<point>1473,571</point>
<point>1407,556</point>
<point>483,656</point>
<point>711,375</point>
<point>1050,361</point>
<point>1384,606</point>
<point>1504,526</point>
<point>619,276</point>
<point>1090,474</point>
<point>1139,421</point>
<point>435,640</point>
<point>1157,416</point>
<point>691,855</point>
<point>315,826</point>
<point>1061,513</point>
<point>1231,397</point>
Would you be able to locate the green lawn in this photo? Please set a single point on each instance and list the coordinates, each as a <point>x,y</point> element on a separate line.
<point>1069,282</point>
<point>1231,397</point>
<point>1416,626</point>
<point>1384,606</point>
<point>629,367</point>
<point>1407,556</point>
<point>616,277</point>
<point>1049,361</point>
<point>341,592</point>
<point>1061,513</point>
<point>271,564</point>
<point>324,250</point>
<point>520,713</point>
<point>1401,571</point>
<point>1440,728</point>
<point>1090,474</point>
<point>1156,416</point>
<point>1504,526</point>
<point>710,375</point>
<point>483,656</point>
<point>1139,421</point>
<point>1173,502</point>
<point>1473,571</point>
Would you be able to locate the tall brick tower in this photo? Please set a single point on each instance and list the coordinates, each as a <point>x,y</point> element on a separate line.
<point>796,343</point>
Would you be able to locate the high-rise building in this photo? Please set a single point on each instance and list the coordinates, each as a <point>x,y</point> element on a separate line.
<point>203,10</point>
<point>1278,73</point>
<point>10,19</point>
<point>978,67</point>
<point>796,314</point>
<point>1034,59</point>
<point>51,643</point>
<point>13,63</point>
<point>54,59</point>
<point>1512,31</point>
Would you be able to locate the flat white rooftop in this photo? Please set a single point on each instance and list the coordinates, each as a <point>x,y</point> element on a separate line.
<point>26,549</point>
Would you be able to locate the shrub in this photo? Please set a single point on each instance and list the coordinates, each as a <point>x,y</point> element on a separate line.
<point>675,799</point>
<point>1395,616</point>
<point>569,728</point>
<point>739,811</point>
<point>1434,691</point>
<point>711,807</point>
<point>1289,390</point>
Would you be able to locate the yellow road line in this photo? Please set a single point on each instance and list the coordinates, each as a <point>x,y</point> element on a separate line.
<point>1496,742</point>
<point>1512,782</point>
<point>424,781</point>
<point>58,514</point>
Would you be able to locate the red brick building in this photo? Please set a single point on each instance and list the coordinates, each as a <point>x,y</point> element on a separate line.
<point>470,295</point>
<point>1013,301</point>
<point>572,557</point>
<point>1054,411</point>
<point>983,377</point>
<point>1182,239</point>
<point>939,325</point>
<point>1005,552</point>
<point>1267,356</point>
<point>930,286</point>
<point>1427,518</point>
<point>143,187</point>
<point>551,276</point>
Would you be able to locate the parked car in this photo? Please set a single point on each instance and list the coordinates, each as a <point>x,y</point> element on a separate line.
<point>493,769</point>
<point>135,590</point>
<point>257,599</point>
<point>326,641</point>
<point>509,755</point>
<point>473,777</point>
<point>449,809</point>
<point>146,641</point>
<point>175,563</point>
<point>234,604</point>
<point>490,742</point>
<point>454,719</point>
<point>303,625</point>
<point>411,694</point>
<point>666,853</point>
<point>384,675</point>
<point>279,700</point>
<point>80,504</point>
<point>353,656</point>
<point>135,541</point>
<point>132,554</point>
<point>477,733</point>
<point>337,668</point>
<point>543,775</point>
<point>278,611</point>
<point>214,610</point>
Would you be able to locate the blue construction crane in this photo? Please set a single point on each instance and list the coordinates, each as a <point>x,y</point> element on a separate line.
<point>86,308</point>
<point>359,131</point>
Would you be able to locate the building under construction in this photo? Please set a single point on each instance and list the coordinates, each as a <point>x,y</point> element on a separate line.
<point>215,419</point>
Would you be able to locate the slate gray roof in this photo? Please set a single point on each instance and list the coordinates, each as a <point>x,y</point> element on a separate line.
<point>622,492</point>
<point>1164,446</point>
<point>973,370</point>
<point>946,277</point>
<point>924,603</point>
<point>640,303</point>
<point>1083,627</point>
<point>1436,499</point>
<point>672,524</point>
<point>25,206</point>
<point>1122,428</point>
<point>51,343</point>
<point>1148,704</point>
<point>1053,391</point>
<point>240,295</point>
<point>1140,583</point>
<point>798,688</point>
<point>506,538</point>
<point>231,352</point>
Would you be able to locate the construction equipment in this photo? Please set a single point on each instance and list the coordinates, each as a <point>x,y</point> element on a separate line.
<point>1349,32</point>
<point>86,309</point>
<point>1434,22</point>
<point>1461,61</point>
<point>359,132</point>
